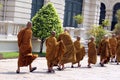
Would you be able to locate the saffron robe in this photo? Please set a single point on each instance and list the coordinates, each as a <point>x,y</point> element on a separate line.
<point>113,44</point>
<point>104,49</point>
<point>92,53</point>
<point>68,54</point>
<point>25,48</point>
<point>52,49</point>
<point>118,51</point>
<point>80,51</point>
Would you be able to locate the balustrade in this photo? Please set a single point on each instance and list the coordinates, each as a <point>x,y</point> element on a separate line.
<point>9,30</point>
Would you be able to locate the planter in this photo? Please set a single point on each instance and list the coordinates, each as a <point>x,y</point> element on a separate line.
<point>80,26</point>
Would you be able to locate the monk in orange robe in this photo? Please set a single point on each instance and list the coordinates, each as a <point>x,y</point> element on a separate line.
<point>68,54</point>
<point>52,48</point>
<point>113,44</point>
<point>25,48</point>
<point>104,50</point>
<point>92,52</point>
<point>80,51</point>
<point>118,50</point>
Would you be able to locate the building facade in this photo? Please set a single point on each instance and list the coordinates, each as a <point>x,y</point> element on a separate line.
<point>21,11</point>
<point>17,12</point>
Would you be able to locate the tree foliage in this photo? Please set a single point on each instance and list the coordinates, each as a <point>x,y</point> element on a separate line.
<point>117,26</point>
<point>105,23</point>
<point>45,21</point>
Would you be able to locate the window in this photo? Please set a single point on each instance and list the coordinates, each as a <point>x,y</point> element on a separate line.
<point>36,5</point>
<point>72,8</point>
<point>114,19</point>
<point>102,13</point>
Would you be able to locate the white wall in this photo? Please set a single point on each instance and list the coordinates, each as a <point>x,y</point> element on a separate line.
<point>18,11</point>
<point>22,11</point>
<point>12,46</point>
<point>91,12</point>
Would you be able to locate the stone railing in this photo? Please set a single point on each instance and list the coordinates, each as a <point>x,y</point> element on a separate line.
<point>9,30</point>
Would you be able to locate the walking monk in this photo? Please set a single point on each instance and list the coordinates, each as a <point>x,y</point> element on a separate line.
<point>52,49</point>
<point>104,50</point>
<point>25,48</point>
<point>113,44</point>
<point>92,52</point>
<point>118,50</point>
<point>68,54</point>
<point>80,51</point>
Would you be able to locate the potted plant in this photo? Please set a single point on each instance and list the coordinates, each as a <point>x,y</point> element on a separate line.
<point>79,19</point>
<point>0,5</point>
<point>105,23</point>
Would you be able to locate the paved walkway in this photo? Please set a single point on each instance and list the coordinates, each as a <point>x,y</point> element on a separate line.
<point>8,68</point>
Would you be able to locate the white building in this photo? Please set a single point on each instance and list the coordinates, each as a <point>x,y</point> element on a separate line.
<point>15,13</point>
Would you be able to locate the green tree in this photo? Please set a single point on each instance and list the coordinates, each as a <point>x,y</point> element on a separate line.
<point>117,26</point>
<point>45,21</point>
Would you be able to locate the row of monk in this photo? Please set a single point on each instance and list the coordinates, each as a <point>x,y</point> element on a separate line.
<point>63,50</point>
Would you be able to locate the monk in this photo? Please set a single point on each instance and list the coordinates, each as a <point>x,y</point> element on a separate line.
<point>113,44</point>
<point>80,52</point>
<point>52,48</point>
<point>104,50</point>
<point>118,50</point>
<point>25,48</point>
<point>92,52</point>
<point>68,49</point>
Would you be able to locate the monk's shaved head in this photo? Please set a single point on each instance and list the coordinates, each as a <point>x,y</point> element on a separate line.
<point>53,33</point>
<point>29,24</point>
<point>78,37</point>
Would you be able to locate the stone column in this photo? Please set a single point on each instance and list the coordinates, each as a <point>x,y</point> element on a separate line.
<point>91,12</point>
<point>85,12</point>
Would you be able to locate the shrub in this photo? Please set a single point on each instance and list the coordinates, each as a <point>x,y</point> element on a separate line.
<point>105,23</point>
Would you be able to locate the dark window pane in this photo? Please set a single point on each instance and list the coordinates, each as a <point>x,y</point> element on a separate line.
<point>36,5</point>
<point>72,8</point>
<point>114,19</point>
<point>102,13</point>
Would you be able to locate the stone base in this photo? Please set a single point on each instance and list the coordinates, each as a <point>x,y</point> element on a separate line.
<point>12,46</point>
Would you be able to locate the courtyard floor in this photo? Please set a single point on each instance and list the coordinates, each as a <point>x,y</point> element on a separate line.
<point>111,71</point>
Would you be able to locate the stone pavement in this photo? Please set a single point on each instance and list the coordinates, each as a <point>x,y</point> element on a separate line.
<point>8,68</point>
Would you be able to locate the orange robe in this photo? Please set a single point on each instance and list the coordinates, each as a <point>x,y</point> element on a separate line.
<point>113,44</point>
<point>25,48</point>
<point>118,51</point>
<point>80,51</point>
<point>68,54</point>
<point>104,49</point>
<point>92,53</point>
<point>52,48</point>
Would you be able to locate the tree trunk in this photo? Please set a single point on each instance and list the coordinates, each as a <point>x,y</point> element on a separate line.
<point>41,45</point>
